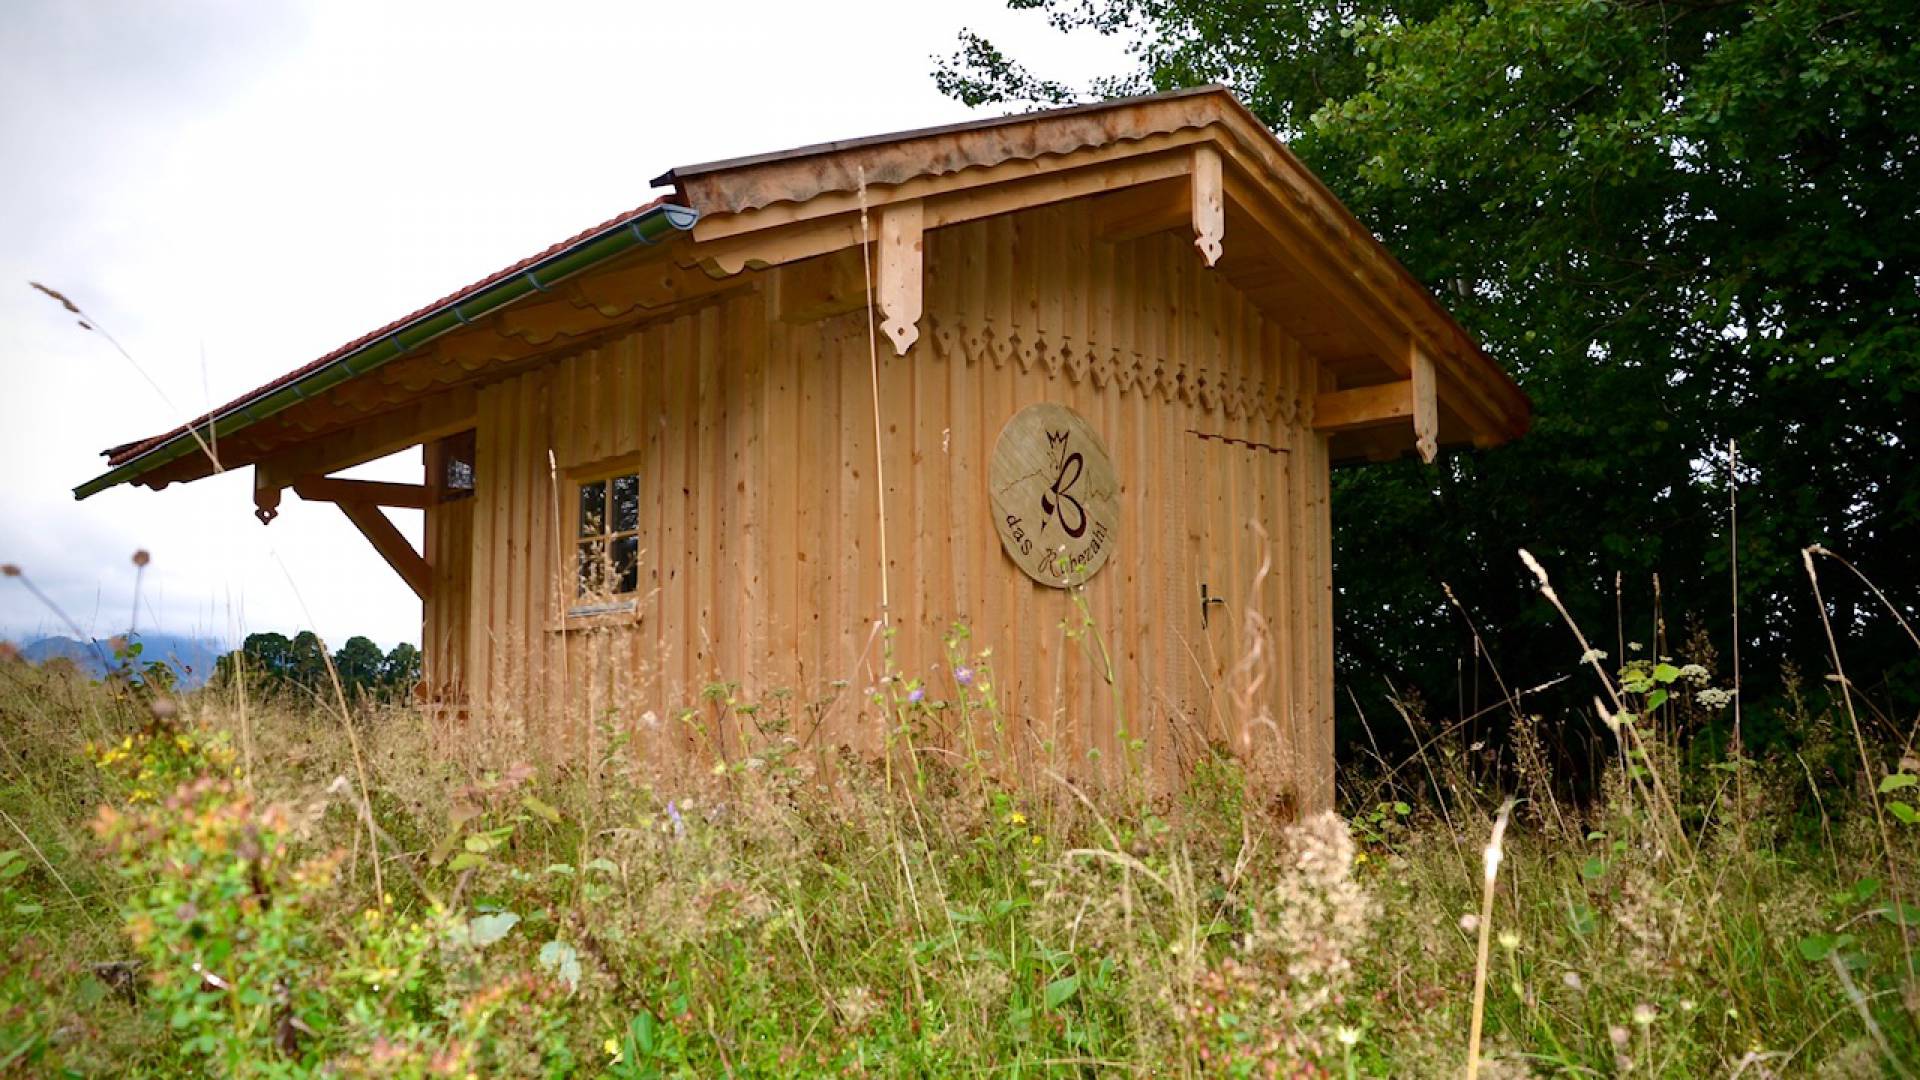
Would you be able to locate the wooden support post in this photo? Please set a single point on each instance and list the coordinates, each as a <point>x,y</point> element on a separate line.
<point>393,547</point>
<point>335,489</point>
<point>898,275</point>
<point>1209,204</point>
<point>1426,404</point>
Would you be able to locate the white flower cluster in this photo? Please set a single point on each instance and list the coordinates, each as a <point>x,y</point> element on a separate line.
<point>1714,698</point>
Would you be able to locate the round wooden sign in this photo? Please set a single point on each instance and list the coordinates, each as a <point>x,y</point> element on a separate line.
<point>1056,501</point>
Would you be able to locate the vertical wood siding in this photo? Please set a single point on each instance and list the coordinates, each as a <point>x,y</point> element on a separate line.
<point>761,508</point>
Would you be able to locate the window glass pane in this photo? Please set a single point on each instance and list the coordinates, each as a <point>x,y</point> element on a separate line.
<point>593,508</point>
<point>626,503</point>
<point>592,567</point>
<point>626,564</point>
<point>459,476</point>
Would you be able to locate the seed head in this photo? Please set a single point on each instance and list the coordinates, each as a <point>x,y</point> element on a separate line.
<point>141,558</point>
<point>9,570</point>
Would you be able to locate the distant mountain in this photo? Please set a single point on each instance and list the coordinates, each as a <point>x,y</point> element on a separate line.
<point>190,658</point>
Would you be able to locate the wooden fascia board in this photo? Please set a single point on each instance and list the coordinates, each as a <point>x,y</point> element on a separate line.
<point>810,174</point>
<point>946,188</point>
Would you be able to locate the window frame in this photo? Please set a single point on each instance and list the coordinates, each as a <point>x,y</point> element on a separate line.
<point>615,608</point>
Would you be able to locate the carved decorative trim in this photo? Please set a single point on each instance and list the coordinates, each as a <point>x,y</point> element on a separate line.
<point>1230,394</point>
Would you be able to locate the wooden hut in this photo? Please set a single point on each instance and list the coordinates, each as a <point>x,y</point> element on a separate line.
<point>1073,380</point>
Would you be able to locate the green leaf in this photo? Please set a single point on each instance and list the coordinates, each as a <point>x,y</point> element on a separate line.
<point>1898,912</point>
<point>1060,991</point>
<point>1866,889</point>
<point>1665,673</point>
<point>466,860</point>
<point>1402,809</point>
<point>1656,699</point>
<point>563,961</point>
<point>484,930</point>
<point>1897,781</point>
<point>1594,868</point>
<point>1815,947</point>
<point>541,809</point>
<point>605,866</point>
<point>1904,812</point>
<point>640,1031</point>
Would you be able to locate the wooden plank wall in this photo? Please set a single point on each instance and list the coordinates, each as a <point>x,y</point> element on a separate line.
<point>761,509</point>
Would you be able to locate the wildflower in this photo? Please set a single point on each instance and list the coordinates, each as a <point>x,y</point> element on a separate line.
<point>1694,673</point>
<point>1348,1036</point>
<point>141,558</point>
<point>963,676</point>
<point>612,1047</point>
<point>1571,980</point>
<point>1645,1014</point>
<point>1714,698</point>
<point>1633,646</point>
<point>9,570</point>
<point>1036,840</point>
<point>1017,818</point>
<point>1593,656</point>
<point>916,695</point>
<point>1509,940</point>
<point>1470,922</point>
<point>1620,1035</point>
<point>673,815</point>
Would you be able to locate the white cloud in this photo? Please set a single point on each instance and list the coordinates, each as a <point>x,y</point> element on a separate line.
<point>233,189</point>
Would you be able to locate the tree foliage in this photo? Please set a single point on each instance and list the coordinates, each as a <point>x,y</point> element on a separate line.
<point>273,663</point>
<point>1678,224</point>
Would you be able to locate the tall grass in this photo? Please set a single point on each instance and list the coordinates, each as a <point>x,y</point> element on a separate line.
<point>367,900</point>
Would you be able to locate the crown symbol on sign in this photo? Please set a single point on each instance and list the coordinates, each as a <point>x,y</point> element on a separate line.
<point>1057,439</point>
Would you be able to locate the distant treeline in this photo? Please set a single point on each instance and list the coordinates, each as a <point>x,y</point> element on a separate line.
<point>276,663</point>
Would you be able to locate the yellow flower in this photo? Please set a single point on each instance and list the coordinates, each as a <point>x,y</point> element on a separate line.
<point>1036,840</point>
<point>1359,857</point>
<point>612,1047</point>
<point>1017,818</point>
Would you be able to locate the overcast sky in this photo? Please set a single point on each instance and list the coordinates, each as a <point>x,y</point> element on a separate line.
<point>232,189</point>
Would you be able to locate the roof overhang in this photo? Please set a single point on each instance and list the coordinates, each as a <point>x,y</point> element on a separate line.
<point>1292,246</point>
<point>1391,350</point>
<point>644,227</point>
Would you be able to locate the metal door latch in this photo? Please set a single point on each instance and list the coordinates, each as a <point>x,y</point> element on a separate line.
<point>1206,601</point>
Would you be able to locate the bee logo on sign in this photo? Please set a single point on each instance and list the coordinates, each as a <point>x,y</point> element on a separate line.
<point>1056,502</point>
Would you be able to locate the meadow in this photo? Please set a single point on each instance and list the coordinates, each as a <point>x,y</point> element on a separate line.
<point>234,883</point>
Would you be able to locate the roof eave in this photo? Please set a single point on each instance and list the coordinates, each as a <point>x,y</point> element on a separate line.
<point>647,229</point>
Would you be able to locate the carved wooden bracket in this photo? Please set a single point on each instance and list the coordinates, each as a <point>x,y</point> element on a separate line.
<point>266,497</point>
<point>1209,205</point>
<point>898,273</point>
<point>1426,404</point>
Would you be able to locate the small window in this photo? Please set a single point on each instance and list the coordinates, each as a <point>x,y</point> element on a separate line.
<point>451,471</point>
<point>608,547</point>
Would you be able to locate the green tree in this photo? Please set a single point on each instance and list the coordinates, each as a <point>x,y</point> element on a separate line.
<point>359,664</point>
<point>401,670</point>
<point>1676,223</point>
<point>309,666</point>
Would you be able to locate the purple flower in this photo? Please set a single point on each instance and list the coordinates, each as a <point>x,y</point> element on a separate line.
<point>963,676</point>
<point>916,695</point>
<point>673,814</point>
